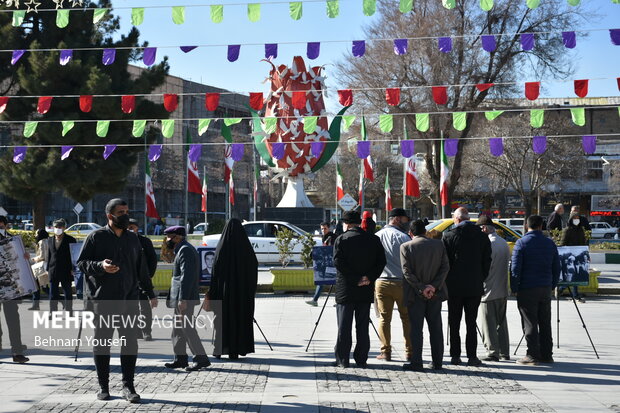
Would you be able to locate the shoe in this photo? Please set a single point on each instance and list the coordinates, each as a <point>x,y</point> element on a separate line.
<point>528,361</point>
<point>474,362</point>
<point>340,364</point>
<point>361,365</point>
<point>198,366</point>
<point>34,308</point>
<point>581,300</point>
<point>384,356</point>
<point>491,358</point>
<point>547,360</point>
<point>233,357</point>
<point>312,303</point>
<point>176,365</point>
<point>104,394</point>
<point>20,359</point>
<point>456,361</point>
<point>504,358</point>
<point>148,337</point>
<point>434,366</point>
<point>413,367</point>
<point>129,393</point>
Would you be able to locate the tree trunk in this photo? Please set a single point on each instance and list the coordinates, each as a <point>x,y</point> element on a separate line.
<point>38,211</point>
<point>527,203</point>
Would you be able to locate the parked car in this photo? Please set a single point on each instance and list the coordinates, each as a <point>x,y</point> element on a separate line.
<point>436,229</point>
<point>603,230</point>
<point>515,224</point>
<point>262,236</point>
<point>82,229</point>
<point>200,228</point>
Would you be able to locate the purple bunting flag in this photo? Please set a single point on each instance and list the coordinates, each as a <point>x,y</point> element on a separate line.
<point>19,153</point>
<point>569,39</point>
<point>154,152</point>
<point>589,144</point>
<point>108,151</point>
<point>271,50</point>
<point>539,144</point>
<point>615,36</point>
<point>17,54</point>
<point>407,148</point>
<point>65,151</point>
<point>359,48</point>
<point>317,148</point>
<point>195,150</point>
<point>237,151</point>
<point>496,145</point>
<point>277,150</point>
<point>445,44</point>
<point>527,41</point>
<point>109,55</point>
<point>451,146</point>
<point>363,149</point>
<point>65,57</point>
<point>149,56</point>
<point>400,46</point>
<point>233,52</point>
<point>313,49</point>
<point>187,49</point>
<point>489,43</point>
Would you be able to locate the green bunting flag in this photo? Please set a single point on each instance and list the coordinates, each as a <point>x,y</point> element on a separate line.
<point>422,122</point>
<point>449,4</point>
<point>137,16</point>
<point>102,128</point>
<point>363,130</point>
<point>30,128</point>
<point>486,5</point>
<point>270,125</point>
<point>138,128</point>
<point>167,128</point>
<point>347,121</point>
<point>333,8</point>
<point>217,13</point>
<point>231,121</point>
<point>254,12</point>
<point>405,6</point>
<point>99,14</point>
<point>67,125</point>
<point>386,123</point>
<point>296,10</point>
<point>532,4</point>
<point>310,124</point>
<point>459,120</point>
<point>578,115</point>
<point>537,118</point>
<point>178,14</point>
<point>574,2</point>
<point>203,125</point>
<point>18,17</point>
<point>62,18</point>
<point>369,7</point>
<point>492,114</point>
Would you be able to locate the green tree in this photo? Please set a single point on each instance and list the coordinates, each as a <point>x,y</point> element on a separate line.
<point>85,172</point>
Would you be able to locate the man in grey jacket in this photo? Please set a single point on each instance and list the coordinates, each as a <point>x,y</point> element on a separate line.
<point>184,296</point>
<point>492,312</point>
<point>425,268</point>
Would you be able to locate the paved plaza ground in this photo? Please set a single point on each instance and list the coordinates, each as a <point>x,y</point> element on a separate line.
<point>291,379</point>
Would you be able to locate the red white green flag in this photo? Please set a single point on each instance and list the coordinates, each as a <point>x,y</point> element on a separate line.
<point>369,172</point>
<point>444,177</point>
<point>231,189</point>
<point>361,186</point>
<point>151,209</point>
<point>388,194</point>
<point>193,178</point>
<point>339,187</point>
<point>203,207</point>
<point>412,185</point>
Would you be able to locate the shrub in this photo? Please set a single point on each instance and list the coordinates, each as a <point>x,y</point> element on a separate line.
<point>27,237</point>
<point>307,243</point>
<point>284,243</point>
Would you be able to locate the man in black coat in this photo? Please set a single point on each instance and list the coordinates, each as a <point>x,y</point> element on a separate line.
<point>359,259</point>
<point>469,253</point>
<point>554,221</point>
<point>60,266</point>
<point>114,272</point>
<point>151,262</point>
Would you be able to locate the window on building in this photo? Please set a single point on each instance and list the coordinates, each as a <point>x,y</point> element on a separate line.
<point>595,170</point>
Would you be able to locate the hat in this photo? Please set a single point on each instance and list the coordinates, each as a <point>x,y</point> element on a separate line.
<point>60,222</point>
<point>351,217</point>
<point>484,220</point>
<point>176,230</point>
<point>398,212</point>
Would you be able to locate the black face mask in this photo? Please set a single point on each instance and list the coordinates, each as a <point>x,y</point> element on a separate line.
<point>121,222</point>
<point>170,244</point>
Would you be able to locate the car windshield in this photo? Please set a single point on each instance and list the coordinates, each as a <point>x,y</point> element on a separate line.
<point>433,225</point>
<point>296,229</point>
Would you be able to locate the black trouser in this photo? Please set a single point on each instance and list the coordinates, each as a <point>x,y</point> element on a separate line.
<point>146,312</point>
<point>55,294</point>
<point>184,335</point>
<point>535,308</point>
<point>11,315</point>
<point>456,306</point>
<point>345,314</point>
<point>429,310</point>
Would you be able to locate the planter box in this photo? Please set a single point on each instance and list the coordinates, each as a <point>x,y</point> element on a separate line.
<point>292,280</point>
<point>592,288</point>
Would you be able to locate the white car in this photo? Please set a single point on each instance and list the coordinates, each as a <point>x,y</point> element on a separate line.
<point>263,239</point>
<point>515,224</point>
<point>82,228</point>
<point>200,228</point>
<point>603,230</point>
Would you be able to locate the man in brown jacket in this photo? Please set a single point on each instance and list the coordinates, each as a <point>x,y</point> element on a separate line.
<point>425,268</point>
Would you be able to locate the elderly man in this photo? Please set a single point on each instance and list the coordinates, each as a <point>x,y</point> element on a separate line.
<point>359,260</point>
<point>389,286</point>
<point>425,268</point>
<point>60,266</point>
<point>555,219</point>
<point>184,296</point>
<point>492,313</point>
<point>469,253</point>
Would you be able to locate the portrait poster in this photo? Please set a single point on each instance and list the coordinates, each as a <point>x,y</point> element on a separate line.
<point>574,266</point>
<point>16,277</point>
<point>207,258</point>
<point>323,265</point>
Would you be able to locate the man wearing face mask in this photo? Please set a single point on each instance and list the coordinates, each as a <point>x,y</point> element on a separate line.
<point>115,270</point>
<point>183,297</point>
<point>60,266</point>
<point>389,286</point>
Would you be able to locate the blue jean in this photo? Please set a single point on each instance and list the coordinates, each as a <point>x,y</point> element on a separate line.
<point>55,294</point>
<point>317,293</point>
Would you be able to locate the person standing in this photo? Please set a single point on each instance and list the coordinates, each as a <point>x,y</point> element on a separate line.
<point>359,260</point>
<point>469,253</point>
<point>425,267</point>
<point>574,235</point>
<point>555,219</point>
<point>583,221</point>
<point>184,296</point>
<point>42,246</point>
<point>328,238</point>
<point>151,262</point>
<point>492,313</point>
<point>389,286</point>
<point>235,274</point>
<point>114,272</point>
<point>60,267</point>
<point>368,224</point>
<point>535,273</point>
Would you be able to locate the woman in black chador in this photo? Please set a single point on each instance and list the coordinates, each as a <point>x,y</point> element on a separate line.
<point>235,273</point>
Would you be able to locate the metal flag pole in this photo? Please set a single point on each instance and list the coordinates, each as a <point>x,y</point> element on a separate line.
<point>204,171</point>
<point>186,179</point>
<point>443,209</point>
<point>255,189</point>
<point>363,187</point>
<point>405,184</point>
<point>146,223</point>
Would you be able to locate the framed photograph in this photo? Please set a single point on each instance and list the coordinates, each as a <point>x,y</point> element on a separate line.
<point>323,265</point>
<point>207,258</point>
<point>574,266</point>
<point>16,277</point>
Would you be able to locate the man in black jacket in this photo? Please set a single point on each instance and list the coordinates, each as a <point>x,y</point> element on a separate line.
<point>114,272</point>
<point>469,253</point>
<point>555,219</point>
<point>60,266</point>
<point>151,262</point>
<point>359,259</point>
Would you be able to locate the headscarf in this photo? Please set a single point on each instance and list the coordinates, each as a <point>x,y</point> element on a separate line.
<point>41,234</point>
<point>368,224</point>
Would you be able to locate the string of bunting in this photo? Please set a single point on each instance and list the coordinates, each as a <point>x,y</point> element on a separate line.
<point>488,43</point>
<point>332,9</point>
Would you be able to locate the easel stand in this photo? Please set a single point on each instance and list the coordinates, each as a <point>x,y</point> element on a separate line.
<point>255,322</point>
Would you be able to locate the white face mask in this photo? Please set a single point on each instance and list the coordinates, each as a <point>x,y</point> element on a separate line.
<point>576,222</point>
<point>58,231</point>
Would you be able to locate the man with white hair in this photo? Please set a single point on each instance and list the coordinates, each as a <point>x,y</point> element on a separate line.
<point>555,219</point>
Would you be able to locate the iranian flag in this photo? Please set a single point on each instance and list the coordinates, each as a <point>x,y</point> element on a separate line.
<point>445,174</point>
<point>151,209</point>
<point>193,178</point>
<point>229,162</point>
<point>388,194</point>
<point>203,208</point>
<point>231,189</point>
<point>412,185</point>
<point>361,186</point>
<point>339,187</point>
<point>369,172</point>
<point>256,178</point>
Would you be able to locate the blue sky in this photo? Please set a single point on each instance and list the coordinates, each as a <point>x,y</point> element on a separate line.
<point>595,56</point>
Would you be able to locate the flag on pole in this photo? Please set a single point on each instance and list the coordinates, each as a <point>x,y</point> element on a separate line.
<point>339,187</point>
<point>388,194</point>
<point>369,172</point>
<point>151,209</point>
<point>231,189</point>
<point>445,175</point>
<point>412,185</point>
<point>256,178</point>
<point>361,186</point>
<point>229,162</point>
<point>203,208</point>
<point>193,178</point>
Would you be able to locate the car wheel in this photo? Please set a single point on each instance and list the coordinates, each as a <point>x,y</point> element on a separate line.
<point>609,236</point>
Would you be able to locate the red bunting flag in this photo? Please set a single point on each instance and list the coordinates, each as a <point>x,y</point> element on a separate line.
<point>392,96</point>
<point>581,88</point>
<point>532,90</point>
<point>484,86</point>
<point>86,103</point>
<point>212,101</point>
<point>4,100</point>
<point>345,97</point>
<point>256,100</point>
<point>440,94</point>
<point>618,80</point>
<point>128,103</point>
<point>171,101</point>
<point>44,104</point>
<point>299,99</point>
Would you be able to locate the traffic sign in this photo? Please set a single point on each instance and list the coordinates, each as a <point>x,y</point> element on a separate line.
<point>347,203</point>
<point>78,208</point>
